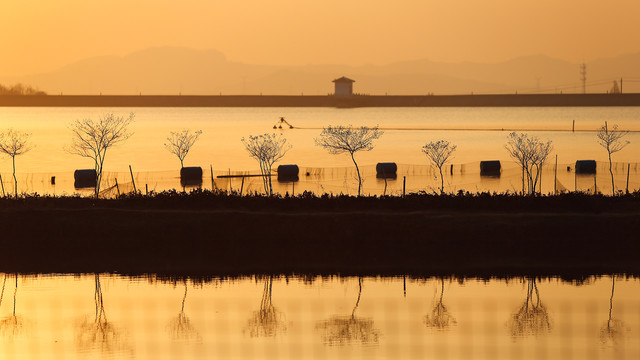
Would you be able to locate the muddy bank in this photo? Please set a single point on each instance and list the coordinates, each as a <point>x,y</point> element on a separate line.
<point>219,235</point>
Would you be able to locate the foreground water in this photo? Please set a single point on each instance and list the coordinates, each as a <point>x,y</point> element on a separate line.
<point>113,317</point>
<point>408,129</point>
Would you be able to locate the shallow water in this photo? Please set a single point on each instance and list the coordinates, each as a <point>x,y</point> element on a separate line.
<point>113,317</point>
<point>220,147</point>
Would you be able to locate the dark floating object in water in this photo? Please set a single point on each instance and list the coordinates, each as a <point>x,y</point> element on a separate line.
<point>386,170</point>
<point>288,173</point>
<point>84,178</point>
<point>490,168</point>
<point>585,167</point>
<point>191,176</point>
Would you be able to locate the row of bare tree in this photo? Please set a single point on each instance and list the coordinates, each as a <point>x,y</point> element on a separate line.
<point>92,139</point>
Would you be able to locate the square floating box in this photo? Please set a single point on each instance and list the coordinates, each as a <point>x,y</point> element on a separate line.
<point>191,176</point>
<point>288,173</point>
<point>386,170</point>
<point>490,168</point>
<point>586,167</point>
<point>84,178</point>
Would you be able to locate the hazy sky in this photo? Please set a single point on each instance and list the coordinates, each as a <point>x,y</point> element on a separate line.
<point>41,35</point>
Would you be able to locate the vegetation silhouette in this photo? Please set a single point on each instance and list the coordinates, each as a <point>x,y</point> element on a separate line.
<point>180,327</point>
<point>439,152</point>
<point>611,139</point>
<point>267,321</point>
<point>346,139</point>
<point>14,143</point>
<point>342,330</point>
<point>267,149</point>
<point>532,318</point>
<point>12,325</point>
<point>179,143</point>
<point>614,329</point>
<point>531,154</point>
<point>92,139</point>
<point>20,89</point>
<point>99,333</point>
<point>440,318</point>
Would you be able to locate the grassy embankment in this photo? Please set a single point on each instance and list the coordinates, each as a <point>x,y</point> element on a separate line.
<point>206,234</point>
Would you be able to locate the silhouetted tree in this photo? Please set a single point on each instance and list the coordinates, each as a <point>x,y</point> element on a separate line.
<point>92,139</point>
<point>266,321</point>
<point>530,153</point>
<point>14,143</point>
<point>611,140</point>
<point>181,327</point>
<point>340,330</point>
<point>532,317</point>
<point>439,152</point>
<point>440,318</point>
<point>267,149</point>
<point>346,139</point>
<point>613,329</point>
<point>180,142</point>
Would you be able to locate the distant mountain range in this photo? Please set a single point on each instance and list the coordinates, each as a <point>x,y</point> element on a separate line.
<point>170,70</point>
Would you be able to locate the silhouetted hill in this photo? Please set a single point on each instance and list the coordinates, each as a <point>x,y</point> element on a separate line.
<point>171,70</point>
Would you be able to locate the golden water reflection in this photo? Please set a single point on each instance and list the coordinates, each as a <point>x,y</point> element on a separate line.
<point>53,317</point>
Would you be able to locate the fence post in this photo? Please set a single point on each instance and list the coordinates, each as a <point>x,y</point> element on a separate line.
<point>133,181</point>
<point>241,186</point>
<point>2,183</point>
<point>595,183</point>
<point>628,168</point>
<point>146,188</point>
<point>555,177</point>
<point>404,185</point>
<point>213,184</point>
<point>117,187</point>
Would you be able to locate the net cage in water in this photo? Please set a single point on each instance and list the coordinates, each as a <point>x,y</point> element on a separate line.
<point>410,178</point>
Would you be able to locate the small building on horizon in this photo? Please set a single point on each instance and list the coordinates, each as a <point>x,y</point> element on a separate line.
<point>343,86</point>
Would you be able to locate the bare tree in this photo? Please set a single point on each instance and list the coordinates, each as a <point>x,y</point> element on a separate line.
<point>180,142</point>
<point>530,153</point>
<point>267,149</point>
<point>439,153</point>
<point>92,139</point>
<point>14,143</point>
<point>611,140</point>
<point>346,139</point>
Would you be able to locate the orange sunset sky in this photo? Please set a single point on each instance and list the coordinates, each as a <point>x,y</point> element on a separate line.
<point>43,35</point>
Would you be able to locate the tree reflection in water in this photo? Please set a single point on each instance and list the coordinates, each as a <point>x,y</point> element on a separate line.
<point>181,327</point>
<point>98,333</point>
<point>267,321</point>
<point>341,330</point>
<point>440,318</point>
<point>12,325</point>
<point>532,318</point>
<point>613,329</point>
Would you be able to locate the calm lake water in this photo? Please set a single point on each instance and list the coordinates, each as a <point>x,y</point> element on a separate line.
<point>113,317</point>
<point>220,146</point>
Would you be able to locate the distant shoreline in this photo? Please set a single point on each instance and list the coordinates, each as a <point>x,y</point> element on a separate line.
<point>510,100</point>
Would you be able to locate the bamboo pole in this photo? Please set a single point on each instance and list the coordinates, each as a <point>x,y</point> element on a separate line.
<point>133,181</point>
<point>555,177</point>
<point>628,168</point>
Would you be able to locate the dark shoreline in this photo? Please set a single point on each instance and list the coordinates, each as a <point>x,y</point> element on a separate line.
<point>215,235</point>
<point>481,100</point>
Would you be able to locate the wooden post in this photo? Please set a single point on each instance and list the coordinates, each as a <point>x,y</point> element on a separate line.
<point>293,188</point>
<point>628,168</point>
<point>404,186</point>
<point>573,127</point>
<point>146,188</point>
<point>2,183</point>
<point>117,187</point>
<point>575,180</point>
<point>404,285</point>
<point>451,169</point>
<point>213,184</point>
<point>523,181</point>
<point>555,177</point>
<point>241,186</point>
<point>230,188</point>
<point>595,184</point>
<point>133,181</point>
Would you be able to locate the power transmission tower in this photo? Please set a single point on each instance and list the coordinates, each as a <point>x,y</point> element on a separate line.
<point>583,77</point>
